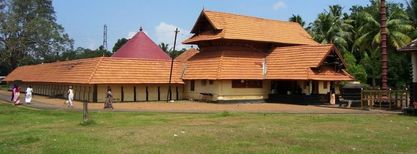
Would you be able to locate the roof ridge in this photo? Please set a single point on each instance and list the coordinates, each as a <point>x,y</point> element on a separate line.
<point>95,69</point>
<point>247,16</point>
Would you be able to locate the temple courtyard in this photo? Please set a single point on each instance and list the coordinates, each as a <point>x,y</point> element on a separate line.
<point>44,102</point>
<point>25,129</point>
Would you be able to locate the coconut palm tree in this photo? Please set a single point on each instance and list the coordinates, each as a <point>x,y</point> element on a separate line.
<point>398,27</point>
<point>297,19</point>
<point>331,27</point>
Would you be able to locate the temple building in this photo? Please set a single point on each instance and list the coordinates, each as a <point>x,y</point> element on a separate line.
<point>411,49</point>
<point>249,58</point>
<point>238,58</point>
<point>138,71</point>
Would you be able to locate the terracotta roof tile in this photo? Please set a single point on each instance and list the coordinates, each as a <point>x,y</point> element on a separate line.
<point>239,27</point>
<point>135,71</point>
<point>217,65</point>
<point>75,71</point>
<point>296,62</point>
<point>186,55</point>
<point>99,71</point>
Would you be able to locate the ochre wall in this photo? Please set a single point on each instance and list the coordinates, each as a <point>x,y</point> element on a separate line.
<point>81,92</point>
<point>222,90</point>
<point>140,92</point>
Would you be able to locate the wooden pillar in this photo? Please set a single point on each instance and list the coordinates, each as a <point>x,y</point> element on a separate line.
<point>122,99</point>
<point>147,94</point>
<point>134,93</point>
<point>95,93</point>
<point>159,93</point>
<point>176,93</point>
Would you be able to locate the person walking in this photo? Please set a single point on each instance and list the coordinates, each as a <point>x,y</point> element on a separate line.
<point>109,99</point>
<point>70,94</point>
<point>16,94</point>
<point>13,90</point>
<point>28,98</point>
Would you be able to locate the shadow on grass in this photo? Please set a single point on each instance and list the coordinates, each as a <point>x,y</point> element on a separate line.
<point>88,123</point>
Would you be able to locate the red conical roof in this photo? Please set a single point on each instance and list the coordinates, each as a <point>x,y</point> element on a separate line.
<point>141,46</point>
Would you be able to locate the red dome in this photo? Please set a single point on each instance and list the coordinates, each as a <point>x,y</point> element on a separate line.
<point>141,46</point>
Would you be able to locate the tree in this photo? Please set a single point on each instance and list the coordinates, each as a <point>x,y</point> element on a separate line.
<point>29,32</point>
<point>119,44</point>
<point>331,27</point>
<point>81,53</point>
<point>412,11</point>
<point>297,19</point>
<point>170,51</point>
<point>164,47</point>
<point>398,27</point>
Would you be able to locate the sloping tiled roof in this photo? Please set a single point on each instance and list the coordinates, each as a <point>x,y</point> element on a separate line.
<point>186,55</point>
<point>239,27</point>
<point>102,70</point>
<point>217,65</point>
<point>412,47</point>
<point>141,46</point>
<point>135,71</point>
<point>75,71</point>
<point>296,62</point>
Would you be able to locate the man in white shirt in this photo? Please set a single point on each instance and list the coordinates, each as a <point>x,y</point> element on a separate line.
<point>70,94</point>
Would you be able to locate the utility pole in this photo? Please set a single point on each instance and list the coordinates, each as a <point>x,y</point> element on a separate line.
<point>172,65</point>
<point>105,37</point>
<point>384,53</point>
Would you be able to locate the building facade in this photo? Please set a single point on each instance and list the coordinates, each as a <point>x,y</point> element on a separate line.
<point>239,58</point>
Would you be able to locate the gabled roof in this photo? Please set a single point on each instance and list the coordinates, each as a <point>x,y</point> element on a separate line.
<point>215,65</point>
<point>239,27</point>
<point>102,70</point>
<point>412,47</point>
<point>141,46</point>
<point>186,55</point>
<point>304,62</point>
<point>297,63</point>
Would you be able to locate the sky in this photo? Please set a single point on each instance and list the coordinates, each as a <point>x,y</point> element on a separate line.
<point>84,20</point>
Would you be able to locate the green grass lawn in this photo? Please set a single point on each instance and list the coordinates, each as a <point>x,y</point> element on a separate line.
<point>27,130</point>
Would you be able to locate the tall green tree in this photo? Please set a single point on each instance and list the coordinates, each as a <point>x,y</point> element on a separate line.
<point>28,30</point>
<point>331,27</point>
<point>398,27</point>
<point>119,44</point>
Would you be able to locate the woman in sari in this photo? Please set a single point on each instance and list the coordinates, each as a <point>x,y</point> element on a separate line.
<point>16,93</point>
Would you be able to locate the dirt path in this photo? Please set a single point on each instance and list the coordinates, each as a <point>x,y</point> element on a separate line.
<point>189,106</point>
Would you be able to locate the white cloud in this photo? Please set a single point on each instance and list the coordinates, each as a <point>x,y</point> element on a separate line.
<point>130,35</point>
<point>279,5</point>
<point>166,32</point>
<point>92,44</point>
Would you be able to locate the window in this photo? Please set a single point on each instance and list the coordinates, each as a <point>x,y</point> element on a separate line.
<point>192,85</point>
<point>238,84</point>
<point>325,84</point>
<point>246,83</point>
<point>203,82</point>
